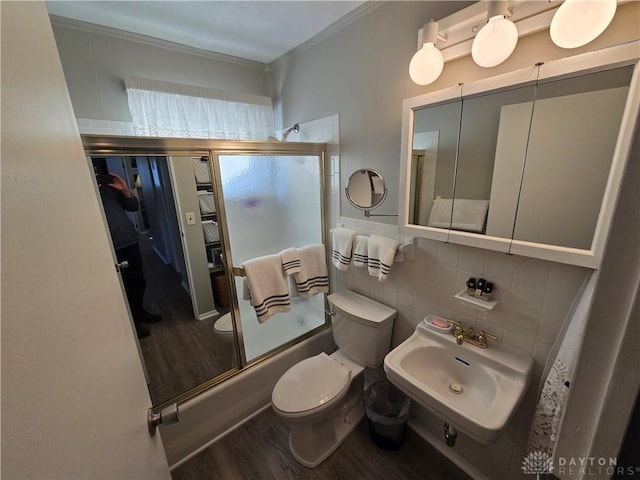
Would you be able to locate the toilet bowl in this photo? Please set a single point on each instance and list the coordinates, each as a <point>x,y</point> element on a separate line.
<point>320,398</point>
<point>223,328</point>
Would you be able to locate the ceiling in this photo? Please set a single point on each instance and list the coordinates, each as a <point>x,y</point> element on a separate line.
<point>256,30</point>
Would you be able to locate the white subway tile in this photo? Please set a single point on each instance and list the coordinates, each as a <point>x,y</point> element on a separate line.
<point>532,273</point>
<point>526,300</point>
<point>499,266</point>
<point>472,260</point>
<point>449,255</point>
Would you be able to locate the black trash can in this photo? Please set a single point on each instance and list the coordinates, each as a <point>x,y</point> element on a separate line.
<point>387,413</point>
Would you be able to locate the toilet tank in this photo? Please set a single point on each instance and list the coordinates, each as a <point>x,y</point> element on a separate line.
<point>361,327</point>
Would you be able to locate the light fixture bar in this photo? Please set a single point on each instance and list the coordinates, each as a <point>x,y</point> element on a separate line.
<point>459,28</point>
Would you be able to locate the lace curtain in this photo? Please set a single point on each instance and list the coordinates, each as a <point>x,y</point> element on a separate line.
<point>163,109</point>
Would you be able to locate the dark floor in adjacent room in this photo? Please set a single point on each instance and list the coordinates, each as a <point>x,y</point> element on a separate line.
<point>181,352</point>
<point>259,450</point>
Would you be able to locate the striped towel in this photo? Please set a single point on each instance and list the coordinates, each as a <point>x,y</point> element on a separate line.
<point>381,252</point>
<point>290,261</point>
<point>360,251</point>
<point>267,286</point>
<point>313,277</point>
<point>342,245</point>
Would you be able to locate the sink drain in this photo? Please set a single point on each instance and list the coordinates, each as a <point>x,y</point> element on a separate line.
<point>455,388</point>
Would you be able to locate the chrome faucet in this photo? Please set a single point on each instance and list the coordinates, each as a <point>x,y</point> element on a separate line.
<point>478,339</point>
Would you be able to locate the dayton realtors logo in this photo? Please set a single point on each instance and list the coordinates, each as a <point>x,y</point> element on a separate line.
<point>539,463</point>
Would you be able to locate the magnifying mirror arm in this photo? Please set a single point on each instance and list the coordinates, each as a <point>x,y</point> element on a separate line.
<point>367,213</point>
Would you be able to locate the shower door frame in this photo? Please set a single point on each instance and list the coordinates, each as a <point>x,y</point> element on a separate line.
<point>213,148</point>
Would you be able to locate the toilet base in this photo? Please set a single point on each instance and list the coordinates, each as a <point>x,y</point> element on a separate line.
<point>321,440</point>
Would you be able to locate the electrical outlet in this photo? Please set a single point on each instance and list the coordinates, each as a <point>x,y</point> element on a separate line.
<point>191,218</point>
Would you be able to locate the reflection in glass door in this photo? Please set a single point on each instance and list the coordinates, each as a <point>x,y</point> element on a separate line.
<point>272,202</point>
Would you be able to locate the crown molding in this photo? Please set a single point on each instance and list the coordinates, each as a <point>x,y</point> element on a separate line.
<point>151,41</point>
<point>332,29</point>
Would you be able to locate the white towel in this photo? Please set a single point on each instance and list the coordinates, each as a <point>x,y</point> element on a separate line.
<point>290,261</point>
<point>360,253</point>
<point>313,277</point>
<point>267,286</point>
<point>381,252</point>
<point>342,245</point>
<point>467,215</point>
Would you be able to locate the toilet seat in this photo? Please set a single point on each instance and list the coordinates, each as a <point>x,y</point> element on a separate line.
<point>311,385</point>
<point>224,325</point>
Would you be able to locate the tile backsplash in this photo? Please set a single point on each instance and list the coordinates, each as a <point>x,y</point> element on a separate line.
<point>534,296</point>
<point>104,127</point>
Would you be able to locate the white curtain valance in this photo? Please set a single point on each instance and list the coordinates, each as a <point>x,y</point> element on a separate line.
<point>164,109</point>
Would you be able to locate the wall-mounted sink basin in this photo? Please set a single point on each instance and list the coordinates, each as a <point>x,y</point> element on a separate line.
<point>476,390</point>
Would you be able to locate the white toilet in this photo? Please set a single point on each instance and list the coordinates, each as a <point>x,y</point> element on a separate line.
<point>320,398</point>
<point>223,328</point>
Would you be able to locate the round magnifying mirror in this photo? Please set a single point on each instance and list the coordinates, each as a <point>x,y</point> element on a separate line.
<point>366,189</point>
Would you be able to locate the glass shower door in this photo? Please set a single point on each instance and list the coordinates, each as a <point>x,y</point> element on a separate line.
<point>272,202</point>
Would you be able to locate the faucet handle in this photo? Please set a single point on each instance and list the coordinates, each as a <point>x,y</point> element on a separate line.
<point>458,329</point>
<point>482,337</point>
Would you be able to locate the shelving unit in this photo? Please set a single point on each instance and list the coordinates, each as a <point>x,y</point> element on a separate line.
<point>204,184</point>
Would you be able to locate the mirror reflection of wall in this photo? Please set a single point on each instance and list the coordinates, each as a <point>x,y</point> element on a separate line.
<point>436,131</point>
<point>366,189</point>
<point>527,163</point>
<point>574,131</point>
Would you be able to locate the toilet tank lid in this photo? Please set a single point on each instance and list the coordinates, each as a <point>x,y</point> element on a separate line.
<point>362,308</point>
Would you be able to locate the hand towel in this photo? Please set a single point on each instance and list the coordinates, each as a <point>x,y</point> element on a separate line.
<point>342,245</point>
<point>360,254</point>
<point>313,277</point>
<point>290,261</point>
<point>267,286</point>
<point>381,252</point>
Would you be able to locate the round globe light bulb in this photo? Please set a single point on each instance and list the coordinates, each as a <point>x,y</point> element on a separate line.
<point>495,42</point>
<point>578,22</point>
<point>426,65</point>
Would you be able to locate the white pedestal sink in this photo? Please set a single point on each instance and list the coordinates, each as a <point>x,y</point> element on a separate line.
<point>474,389</point>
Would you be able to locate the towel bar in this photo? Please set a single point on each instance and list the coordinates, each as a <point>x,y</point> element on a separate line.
<point>238,271</point>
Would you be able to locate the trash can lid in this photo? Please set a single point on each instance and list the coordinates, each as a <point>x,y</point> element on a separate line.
<point>312,383</point>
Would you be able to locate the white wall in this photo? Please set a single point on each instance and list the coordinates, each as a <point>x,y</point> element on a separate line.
<point>96,64</point>
<point>74,397</point>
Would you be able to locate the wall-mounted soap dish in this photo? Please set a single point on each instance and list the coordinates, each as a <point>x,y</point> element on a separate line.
<point>475,301</point>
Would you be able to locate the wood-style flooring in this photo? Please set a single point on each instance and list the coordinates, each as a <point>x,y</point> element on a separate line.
<point>181,352</point>
<point>259,450</point>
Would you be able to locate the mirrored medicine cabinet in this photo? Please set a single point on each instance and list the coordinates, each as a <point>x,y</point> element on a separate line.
<point>527,163</point>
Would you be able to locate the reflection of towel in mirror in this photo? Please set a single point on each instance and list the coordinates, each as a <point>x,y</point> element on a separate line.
<point>267,286</point>
<point>468,215</point>
<point>360,251</point>
<point>381,252</point>
<point>313,277</point>
<point>342,245</point>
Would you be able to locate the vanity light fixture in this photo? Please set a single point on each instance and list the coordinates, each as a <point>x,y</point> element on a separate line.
<point>578,22</point>
<point>427,63</point>
<point>497,39</point>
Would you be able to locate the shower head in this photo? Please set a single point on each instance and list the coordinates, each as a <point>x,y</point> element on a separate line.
<point>295,129</point>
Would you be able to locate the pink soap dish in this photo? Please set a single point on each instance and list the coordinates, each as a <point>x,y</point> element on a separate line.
<point>438,324</point>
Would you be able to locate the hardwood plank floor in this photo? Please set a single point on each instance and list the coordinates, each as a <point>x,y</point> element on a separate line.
<point>259,450</point>
<point>181,352</point>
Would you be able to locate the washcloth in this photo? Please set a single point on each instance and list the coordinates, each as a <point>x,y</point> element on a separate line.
<point>360,254</point>
<point>313,277</point>
<point>342,245</point>
<point>381,252</point>
<point>290,261</point>
<point>267,286</point>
